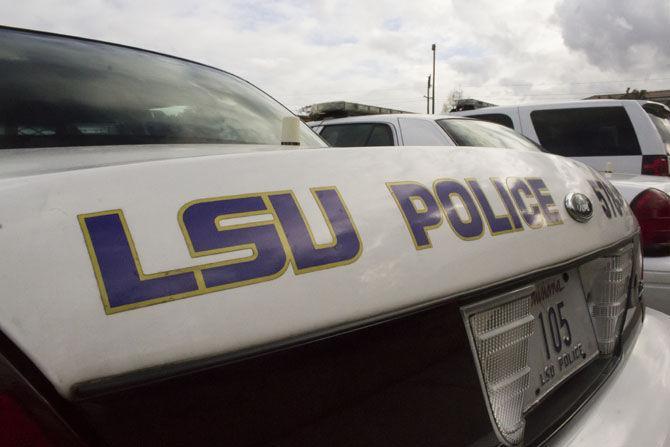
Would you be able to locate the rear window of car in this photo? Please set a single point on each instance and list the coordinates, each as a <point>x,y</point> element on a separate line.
<point>60,91</point>
<point>498,118</point>
<point>661,119</point>
<point>358,134</point>
<point>471,132</point>
<point>586,132</point>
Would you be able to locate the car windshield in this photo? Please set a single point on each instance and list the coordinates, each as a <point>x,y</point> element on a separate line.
<point>470,132</point>
<point>60,91</point>
<point>660,116</point>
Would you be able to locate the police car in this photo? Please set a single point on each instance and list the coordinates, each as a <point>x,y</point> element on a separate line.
<point>186,264</point>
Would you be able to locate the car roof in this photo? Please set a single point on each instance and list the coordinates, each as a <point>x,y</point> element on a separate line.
<point>570,103</point>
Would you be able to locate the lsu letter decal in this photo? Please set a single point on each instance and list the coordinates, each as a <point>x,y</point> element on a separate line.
<point>469,210</point>
<point>284,238</point>
<point>203,225</point>
<point>306,254</point>
<point>419,209</point>
<point>454,196</point>
<point>521,192</point>
<point>117,266</point>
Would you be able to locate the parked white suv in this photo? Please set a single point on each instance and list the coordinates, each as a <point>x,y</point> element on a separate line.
<point>628,137</point>
<point>619,135</point>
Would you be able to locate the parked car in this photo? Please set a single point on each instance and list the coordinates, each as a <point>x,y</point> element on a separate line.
<point>608,128</point>
<point>626,136</point>
<point>417,130</point>
<point>649,198</point>
<point>173,275</point>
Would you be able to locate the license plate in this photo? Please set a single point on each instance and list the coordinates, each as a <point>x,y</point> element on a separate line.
<point>563,340</point>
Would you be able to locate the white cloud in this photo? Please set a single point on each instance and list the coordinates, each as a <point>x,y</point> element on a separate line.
<point>618,34</point>
<point>379,51</point>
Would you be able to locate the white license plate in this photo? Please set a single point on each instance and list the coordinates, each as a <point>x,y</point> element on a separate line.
<point>563,340</point>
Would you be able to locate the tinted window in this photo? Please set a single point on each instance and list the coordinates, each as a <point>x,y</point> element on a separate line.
<point>469,132</point>
<point>498,118</point>
<point>586,132</point>
<point>358,134</point>
<point>661,119</point>
<point>381,136</point>
<point>58,91</point>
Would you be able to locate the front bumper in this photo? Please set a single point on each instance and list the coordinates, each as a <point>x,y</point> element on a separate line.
<point>632,407</point>
<point>657,283</point>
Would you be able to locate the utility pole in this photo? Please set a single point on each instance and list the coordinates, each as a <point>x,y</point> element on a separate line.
<point>433,78</point>
<point>428,96</point>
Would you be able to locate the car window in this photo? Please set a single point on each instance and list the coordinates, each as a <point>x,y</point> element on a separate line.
<point>661,119</point>
<point>59,91</point>
<point>592,131</point>
<point>381,136</point>
<point>470,132</point>
<point>498,118</point>
<point>421,132</point>
<point>358,134</point>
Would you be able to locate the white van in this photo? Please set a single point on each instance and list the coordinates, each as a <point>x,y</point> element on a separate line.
<point>620,135</point>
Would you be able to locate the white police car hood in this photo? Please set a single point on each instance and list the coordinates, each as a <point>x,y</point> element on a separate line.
<point>135,261</point>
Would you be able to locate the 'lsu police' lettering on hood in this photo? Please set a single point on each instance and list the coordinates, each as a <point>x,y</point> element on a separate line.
<point>285,237</point>
<point>423,209</point>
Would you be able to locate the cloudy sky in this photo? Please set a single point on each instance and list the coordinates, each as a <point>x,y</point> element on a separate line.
<point>378,52</point>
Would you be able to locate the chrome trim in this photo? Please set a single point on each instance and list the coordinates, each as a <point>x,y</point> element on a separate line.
<point>579,206</point>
